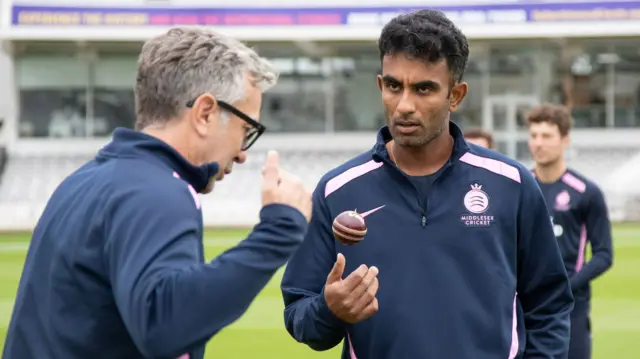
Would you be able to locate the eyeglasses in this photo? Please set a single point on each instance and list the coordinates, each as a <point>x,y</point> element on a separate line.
<point>252,134</point>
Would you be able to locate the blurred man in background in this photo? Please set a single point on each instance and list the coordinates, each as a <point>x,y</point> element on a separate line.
<point>116,266</point>
<point>449,269</point>
<point>479,137</point>
<point>579,214</point>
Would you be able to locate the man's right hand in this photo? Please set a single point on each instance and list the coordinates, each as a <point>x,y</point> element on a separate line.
<point>352,299</point>
<point>282,187</point>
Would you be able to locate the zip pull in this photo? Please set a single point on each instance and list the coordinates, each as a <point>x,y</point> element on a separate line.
<point>424,220</point>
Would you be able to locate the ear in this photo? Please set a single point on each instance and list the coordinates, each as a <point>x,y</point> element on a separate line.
<point>380,82</point>
<point>566,141</point>
<point>458,92</point>
<point>205,109</point>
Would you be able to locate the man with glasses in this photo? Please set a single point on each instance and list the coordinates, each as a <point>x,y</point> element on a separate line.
<point>116,264</point>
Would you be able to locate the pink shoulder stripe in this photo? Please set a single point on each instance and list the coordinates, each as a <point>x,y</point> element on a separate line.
<point>495,166</point>
<point>349,175</point>
<point>574,182</point>
<point>192,190</point>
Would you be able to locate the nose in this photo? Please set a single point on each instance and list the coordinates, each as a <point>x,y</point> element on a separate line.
<point>241,158</point>
<point>406,106</point>
<point>535,142</point>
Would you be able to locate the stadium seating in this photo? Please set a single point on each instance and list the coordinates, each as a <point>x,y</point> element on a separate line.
<point>29,180</point>
<point>622,187</point>
<point>598,163</point>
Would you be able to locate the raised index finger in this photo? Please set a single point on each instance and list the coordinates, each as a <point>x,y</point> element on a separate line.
<point>270,171</point>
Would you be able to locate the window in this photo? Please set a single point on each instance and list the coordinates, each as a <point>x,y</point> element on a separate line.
<point>52,96</point>
<point>581,84</point>
<point>356,97</point>
<point>627,85</point>
<point>512,70</point>
<point>65,96</point>
<point>469,114</point>
<point>113,96</point>
<point>298,102</point>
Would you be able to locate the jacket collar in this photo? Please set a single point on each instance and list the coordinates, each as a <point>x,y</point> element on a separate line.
<point>380,153</point>
<point>135,144</point>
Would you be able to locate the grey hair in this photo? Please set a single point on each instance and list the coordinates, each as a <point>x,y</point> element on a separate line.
<point>184,63</point>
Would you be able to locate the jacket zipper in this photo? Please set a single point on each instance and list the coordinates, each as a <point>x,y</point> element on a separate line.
<point>424,207</point>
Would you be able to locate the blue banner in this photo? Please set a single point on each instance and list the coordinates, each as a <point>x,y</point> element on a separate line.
<point>530,12</point>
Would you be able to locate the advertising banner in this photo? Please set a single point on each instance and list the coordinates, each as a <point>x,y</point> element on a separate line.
<point>464,13</point>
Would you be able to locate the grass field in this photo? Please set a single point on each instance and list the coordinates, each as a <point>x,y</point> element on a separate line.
<point>616,307</point>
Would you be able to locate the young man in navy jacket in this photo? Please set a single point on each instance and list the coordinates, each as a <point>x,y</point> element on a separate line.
<point>459,260</point>
<point>116,265</point>
<point>579,214</point>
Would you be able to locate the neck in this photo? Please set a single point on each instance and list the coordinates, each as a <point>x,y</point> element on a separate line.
<point>173,137</point>
<point>551,172</point>
<point>422,160</point>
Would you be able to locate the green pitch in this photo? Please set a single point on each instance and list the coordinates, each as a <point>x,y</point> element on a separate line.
<point>616,307</point>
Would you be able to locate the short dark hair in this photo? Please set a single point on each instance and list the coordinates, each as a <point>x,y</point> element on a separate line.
<point>476,133</point>
<point>426,35</point>
<point>558,115</point>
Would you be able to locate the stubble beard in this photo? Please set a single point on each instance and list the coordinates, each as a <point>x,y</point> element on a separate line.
<point>419,141</point>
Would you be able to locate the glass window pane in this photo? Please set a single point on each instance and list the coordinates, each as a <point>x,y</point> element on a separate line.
<point>512,70</point>
<point>114,102</point>
<point>499,112</point>
<point>582,83</point>
<point>469,114</point>
<point>357,101</point>
<point>297,103</point>
<point>52,92</point>
<point>522,151</point>
<point>627,86</point>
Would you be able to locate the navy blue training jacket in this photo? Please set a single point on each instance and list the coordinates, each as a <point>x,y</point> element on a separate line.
<point>464,269</point>
<point>116,266</point>
<point>579,213</point>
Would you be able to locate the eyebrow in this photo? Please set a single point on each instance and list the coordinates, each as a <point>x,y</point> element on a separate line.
<point>426,83</point>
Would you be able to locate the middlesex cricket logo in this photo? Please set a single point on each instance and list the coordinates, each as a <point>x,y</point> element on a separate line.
<point>476,201</point>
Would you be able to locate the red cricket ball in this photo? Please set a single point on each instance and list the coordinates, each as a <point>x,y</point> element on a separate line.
<point>349,227</point>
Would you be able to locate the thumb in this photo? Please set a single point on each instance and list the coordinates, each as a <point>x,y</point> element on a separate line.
<point>338,269</point>
<point>271,170</point>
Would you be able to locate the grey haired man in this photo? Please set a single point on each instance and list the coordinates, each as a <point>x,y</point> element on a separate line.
<point>116,265</point>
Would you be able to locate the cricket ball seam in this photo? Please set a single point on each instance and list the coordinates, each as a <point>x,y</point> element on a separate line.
<point>347,239</point>
<point>349,231</point>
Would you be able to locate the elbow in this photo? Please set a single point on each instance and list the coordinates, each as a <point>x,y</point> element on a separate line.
<point>161,343</point>
<point>300,333</point>
<point>160,336</point>
<point>604,258</point>
<point>608,260</point>
<point>313,343</point>
<point>321,346</point>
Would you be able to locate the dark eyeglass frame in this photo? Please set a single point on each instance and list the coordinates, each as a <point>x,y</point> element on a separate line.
<point>252,135</point>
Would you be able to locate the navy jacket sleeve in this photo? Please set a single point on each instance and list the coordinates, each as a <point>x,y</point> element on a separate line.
<point>598,229</point>
<point>170,301</point>
<point>543,285</point>
<point>307,316</point>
